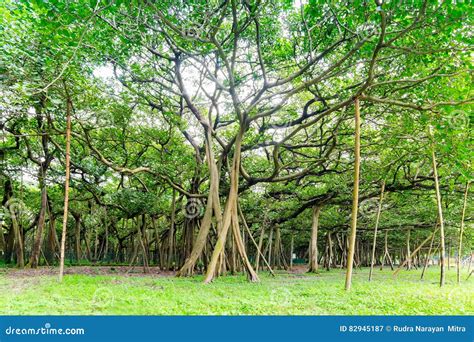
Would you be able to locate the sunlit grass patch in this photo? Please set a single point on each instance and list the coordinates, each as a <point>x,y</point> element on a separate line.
<point>301,294</point>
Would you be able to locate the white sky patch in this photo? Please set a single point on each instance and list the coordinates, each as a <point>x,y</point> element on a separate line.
<point>104,72</point>
<point>299,3</point>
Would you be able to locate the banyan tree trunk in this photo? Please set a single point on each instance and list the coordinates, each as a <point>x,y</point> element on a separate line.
<point>413,253</point>
<point>374,243</point>
<point>268,249</point>
<point>440,215</point>
<point>355,197</point>
<point>313,254</point>
<point>2,243</point>
<point>260,246</point>
<point>212,205</point>
<point>35,253</point>
<point>171,234</point>
<point>408,255</point>
<point>230,221</point>
<point>257,246</point>
<point>77,235</point>
<point>428,256</point>
<point>461,232</point>
<point>292,244</point>
<point>330,252</point>
<point>18,238</point>
<point>143,244</point>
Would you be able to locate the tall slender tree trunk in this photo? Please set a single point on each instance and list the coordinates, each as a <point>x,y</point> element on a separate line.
<point>386,253</point>
<point>292,243</point>
<point>36,251</point>
<point>157,241</point>
<point>428,256</point>
<point>440,214</point>
<point>374,243</point>
<point>355,198</point>
<point>413,253</point>
<point>106,237</point>
<point>461,232</point>
<point>257,246</point>
<point>66,188</point>
<point>260,246</point>
<point>408,257</point>
<point>20,260</point>
<point>3,243</point>
<point>143,244</point>
<point>171,234</point>
<point>276,248</point>
<point>329,251</point>
<point>77,237</point>
<point>14,236</point>
<point>88,246</point>
<point>313,245</point>
<point>448,256</point>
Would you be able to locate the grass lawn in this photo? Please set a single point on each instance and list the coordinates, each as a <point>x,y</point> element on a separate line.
<point>294,294</point>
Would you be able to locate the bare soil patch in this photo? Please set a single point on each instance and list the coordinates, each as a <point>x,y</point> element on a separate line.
<point>89,270</point>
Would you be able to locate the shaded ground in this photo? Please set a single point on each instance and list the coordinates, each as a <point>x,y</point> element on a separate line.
<point>124,271</point>
<point>113,290</point>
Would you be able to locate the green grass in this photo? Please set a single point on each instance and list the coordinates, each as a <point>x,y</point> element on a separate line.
<point>291,294</point>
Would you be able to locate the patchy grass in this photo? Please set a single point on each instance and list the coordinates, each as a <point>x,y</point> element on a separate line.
<point>293,294</point>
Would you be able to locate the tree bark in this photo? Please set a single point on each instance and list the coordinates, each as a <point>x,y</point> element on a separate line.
<point>313,246</point>
<point>35,253</point>
<point>3,244</point>
<point>329,251</point>
<point>106,237</point>
<point>171,233</point>
<point>440,214</point>
<point>413,253</point>
<point>230,218</point>
<point>77,237</point>
<point>66,188</point>
<point>461,232</point>
<point>355,198</point>
<point>20,261</point>
<point>428,256</point>
<point>143,245</point>
<point>212,204</point>
<point>292,242</point>
<point>260,246</point>
<point>268,249</point>
<point>408,255</point>
<point>374,243</point>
